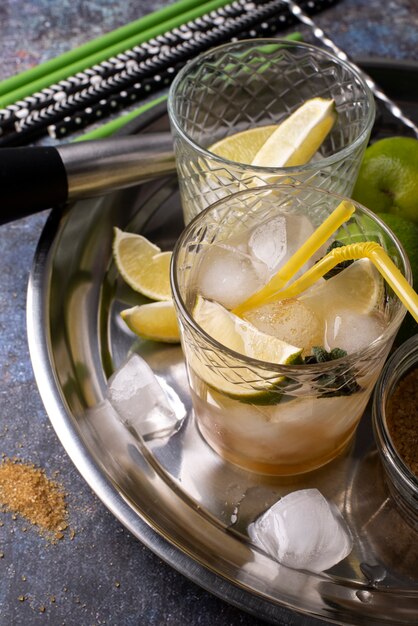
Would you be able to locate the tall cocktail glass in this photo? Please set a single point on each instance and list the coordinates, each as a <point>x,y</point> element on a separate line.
<point>243,85</point>
<point>279,419</point>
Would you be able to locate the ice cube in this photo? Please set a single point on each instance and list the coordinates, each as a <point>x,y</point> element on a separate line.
<point>142,403</point>
<point>268,241</point>
<point>291,321</point>
<point>229,276</point>
<point>303,531</point>
<point>352,331</point>
<point>276,240</point>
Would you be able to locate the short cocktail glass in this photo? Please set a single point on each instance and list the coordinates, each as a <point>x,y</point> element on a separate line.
<point>266,417</point>
<point>240,86</point>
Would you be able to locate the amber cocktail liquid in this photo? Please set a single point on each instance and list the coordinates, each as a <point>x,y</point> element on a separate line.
<point>281,389</point>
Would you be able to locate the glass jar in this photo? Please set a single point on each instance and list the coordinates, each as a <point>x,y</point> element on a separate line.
<point>402,482</point>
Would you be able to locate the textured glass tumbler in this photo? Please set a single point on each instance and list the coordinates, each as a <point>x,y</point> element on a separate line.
<point>269,418</point>
<point>253,83</point>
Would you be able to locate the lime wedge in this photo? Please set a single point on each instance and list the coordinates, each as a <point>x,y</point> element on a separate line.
<point>156,321</point>
<point>242,337</point>
<point>242,147</point>
<point>299,136</point>
<point>358,288</point>
<point>142,265</point>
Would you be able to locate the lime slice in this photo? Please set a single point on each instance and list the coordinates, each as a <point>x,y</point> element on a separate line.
<point>242,147</point>
<point>142,265</point>
<point>358,288</point>
<point>298,137</point>
<point>156,321</point>
<point>242,337</point>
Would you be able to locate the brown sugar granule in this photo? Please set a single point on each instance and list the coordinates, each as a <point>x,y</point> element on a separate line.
<point>403,419</point>
<point>25,490</point>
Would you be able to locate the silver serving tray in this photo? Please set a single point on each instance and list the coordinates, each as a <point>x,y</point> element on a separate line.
<point>174,494</point>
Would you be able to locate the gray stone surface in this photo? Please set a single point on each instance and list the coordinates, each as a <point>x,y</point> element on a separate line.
<point>103,575</point>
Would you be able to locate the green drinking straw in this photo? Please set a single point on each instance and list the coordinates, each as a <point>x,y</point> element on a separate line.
<point>119,34</point>
<point>35,79</point>
<point>110,128</point>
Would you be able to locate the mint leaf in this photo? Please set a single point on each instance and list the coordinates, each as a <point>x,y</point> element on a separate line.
<point>338,382</point>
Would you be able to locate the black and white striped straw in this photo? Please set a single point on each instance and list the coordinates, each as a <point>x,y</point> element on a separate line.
<point>97,92</point>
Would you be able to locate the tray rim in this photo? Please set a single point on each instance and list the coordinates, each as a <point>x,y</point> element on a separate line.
<point>54,402</point>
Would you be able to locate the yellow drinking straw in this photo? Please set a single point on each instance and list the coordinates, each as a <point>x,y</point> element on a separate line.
<point>339,215</point>
<point>366,249</point>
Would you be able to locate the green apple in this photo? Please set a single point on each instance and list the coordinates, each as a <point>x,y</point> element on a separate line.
<point>407,233</point>
<point>388,177</point>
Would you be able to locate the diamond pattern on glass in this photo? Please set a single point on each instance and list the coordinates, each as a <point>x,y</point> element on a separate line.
<point>251,84</point>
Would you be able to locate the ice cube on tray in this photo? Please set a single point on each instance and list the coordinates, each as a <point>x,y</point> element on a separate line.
<point>303,531</point>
